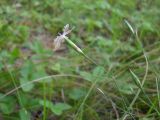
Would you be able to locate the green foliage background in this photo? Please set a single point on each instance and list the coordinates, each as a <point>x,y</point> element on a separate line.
<point>27,31</point>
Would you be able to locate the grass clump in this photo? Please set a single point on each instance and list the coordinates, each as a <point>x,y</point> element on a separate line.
<point>114,73</point>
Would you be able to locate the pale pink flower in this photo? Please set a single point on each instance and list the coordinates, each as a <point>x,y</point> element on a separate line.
<point>61,37</point>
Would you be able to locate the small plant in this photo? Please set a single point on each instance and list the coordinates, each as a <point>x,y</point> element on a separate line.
<point>115,74</point>
<point>98,73</point>
<point>62,37</point>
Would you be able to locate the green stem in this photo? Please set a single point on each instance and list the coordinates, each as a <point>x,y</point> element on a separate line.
<point>77,49</point>
<point>44,97</point>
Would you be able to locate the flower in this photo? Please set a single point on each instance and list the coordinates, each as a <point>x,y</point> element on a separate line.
<point>61,37</point>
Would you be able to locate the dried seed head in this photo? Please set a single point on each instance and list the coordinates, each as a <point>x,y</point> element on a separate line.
<point>61,37</point>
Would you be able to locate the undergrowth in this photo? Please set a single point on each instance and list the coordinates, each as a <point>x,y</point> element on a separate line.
<point>109,70</point>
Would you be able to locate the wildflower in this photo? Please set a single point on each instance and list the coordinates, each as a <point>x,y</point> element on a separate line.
<point>61,37</point>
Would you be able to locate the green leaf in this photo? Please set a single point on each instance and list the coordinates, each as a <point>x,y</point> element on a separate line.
<point>6,108</point>
<point>56,67</point>
<point>98,73</point>
<point>86,75</point>
<point>126,88</point>
<point>24,115</point>
<point>7,104</point>
<point>41,74</point>
<point>47,103</point>
<point>27,69</point>
<point>15,53</point>
<point>77,93</point>
<point>26,74</point>
<point>27,87</point>
<point>136,79</point>
<point>59,108</point>
<point>39,49</point>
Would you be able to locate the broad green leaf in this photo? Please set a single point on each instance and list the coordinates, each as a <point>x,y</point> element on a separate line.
<point>56,67</point>
<point>24,115</point>
<point>47,103</point>
<point>98,73</point>
<point>27,69</point>
<point>15,53</point>
<point>25,86</point>
<point>26,74</point>
<point>58,108</point>
<point>6,108</point>
<point>86,75</point>
<point>7,104</point>
<point>77,93</point>
<point>41,74</point>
